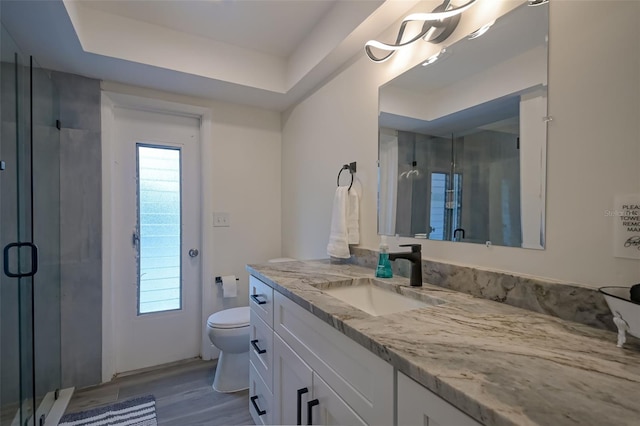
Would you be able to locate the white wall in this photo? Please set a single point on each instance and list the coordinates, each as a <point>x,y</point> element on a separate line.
<point>593,147</point>
<point>244,176</point>
<point>515,75</point>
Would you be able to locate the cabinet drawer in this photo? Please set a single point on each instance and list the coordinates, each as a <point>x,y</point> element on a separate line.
<point>260,398</point>
<point>360,378</point>
<point>261,300</point>
<point>261,349</point>
<point>417,405</point>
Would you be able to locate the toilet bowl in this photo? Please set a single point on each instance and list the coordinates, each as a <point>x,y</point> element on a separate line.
<point>228,330</point>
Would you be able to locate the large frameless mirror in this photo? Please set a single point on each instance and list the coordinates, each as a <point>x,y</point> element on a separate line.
<point>462,139</point>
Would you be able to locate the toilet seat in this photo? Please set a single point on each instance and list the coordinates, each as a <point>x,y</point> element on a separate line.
<point>230,318</point>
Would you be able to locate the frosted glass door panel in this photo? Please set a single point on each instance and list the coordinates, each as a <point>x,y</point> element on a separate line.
<point>159,218</point>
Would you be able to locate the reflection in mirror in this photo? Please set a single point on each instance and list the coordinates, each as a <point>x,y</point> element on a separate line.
<point>462,147</point>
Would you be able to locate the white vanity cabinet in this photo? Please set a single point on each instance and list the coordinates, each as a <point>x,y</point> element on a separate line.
<point>292,350</point>
<point>303,371</point>
<point>419,406</point>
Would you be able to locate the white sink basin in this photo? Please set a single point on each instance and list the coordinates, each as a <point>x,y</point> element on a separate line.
<point>374,300</point>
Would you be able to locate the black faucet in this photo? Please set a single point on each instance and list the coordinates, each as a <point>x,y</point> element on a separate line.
<point>458,230</point>
<point>415,257</point>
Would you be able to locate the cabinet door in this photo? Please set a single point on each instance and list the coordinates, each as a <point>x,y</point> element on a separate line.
<point>291,376</point>
<point>330,408</point>
<point>419,406</point>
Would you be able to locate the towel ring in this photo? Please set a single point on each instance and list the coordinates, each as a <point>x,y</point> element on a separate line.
<point>352,169</point>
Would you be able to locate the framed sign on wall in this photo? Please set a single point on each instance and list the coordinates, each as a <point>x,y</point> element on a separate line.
<point>626,223</point>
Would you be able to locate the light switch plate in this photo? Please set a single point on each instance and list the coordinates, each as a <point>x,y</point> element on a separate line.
<point>221,220</point>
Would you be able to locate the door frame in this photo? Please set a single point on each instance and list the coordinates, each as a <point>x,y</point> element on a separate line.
<point>110,101</point>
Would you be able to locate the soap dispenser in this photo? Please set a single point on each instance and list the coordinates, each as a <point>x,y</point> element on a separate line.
<point>384,264</point>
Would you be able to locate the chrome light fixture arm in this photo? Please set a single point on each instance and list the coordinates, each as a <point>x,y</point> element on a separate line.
<point>439,18</point>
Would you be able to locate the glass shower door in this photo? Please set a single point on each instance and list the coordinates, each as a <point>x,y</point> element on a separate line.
<point>30,368</point>
<point>16,283</point>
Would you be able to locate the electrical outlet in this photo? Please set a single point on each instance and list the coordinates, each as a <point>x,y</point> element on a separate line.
<point>221,220</point>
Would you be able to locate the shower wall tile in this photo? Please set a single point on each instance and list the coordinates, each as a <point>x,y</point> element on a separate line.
<point>81,323</point>
<point>79,101</point>
<point>80,199</point>
<point>568,301</point>
<point>80,229</point>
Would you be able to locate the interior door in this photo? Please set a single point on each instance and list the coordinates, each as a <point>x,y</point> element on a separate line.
<point>156,243</point>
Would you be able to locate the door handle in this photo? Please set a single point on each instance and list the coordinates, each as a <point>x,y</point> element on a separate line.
<point>34,260</point>
<point>255,406</point>
<point>310,405</point>
<point>254,343</point>
<point>299,405</point>
<point>193,252</point>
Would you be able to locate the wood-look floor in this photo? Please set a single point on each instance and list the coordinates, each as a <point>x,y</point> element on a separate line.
<point>183,392</point>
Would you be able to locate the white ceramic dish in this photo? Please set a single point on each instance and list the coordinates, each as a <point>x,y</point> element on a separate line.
<point>626,314</point>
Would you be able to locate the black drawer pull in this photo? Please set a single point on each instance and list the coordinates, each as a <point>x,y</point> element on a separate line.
<point>255,405</point>
<point>310,405</point>
<point>254,343</point>
<point>299,405</point>
<point>258,301</point>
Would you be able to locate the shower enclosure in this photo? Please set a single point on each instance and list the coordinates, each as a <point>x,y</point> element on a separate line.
<point>30,352</point>
<point>453,186</point>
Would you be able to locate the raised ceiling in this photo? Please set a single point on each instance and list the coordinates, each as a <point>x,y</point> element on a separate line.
<point>272,27</point>
<point>266,53</point>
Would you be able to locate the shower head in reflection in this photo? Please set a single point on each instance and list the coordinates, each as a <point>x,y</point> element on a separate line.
<point>410,174</point>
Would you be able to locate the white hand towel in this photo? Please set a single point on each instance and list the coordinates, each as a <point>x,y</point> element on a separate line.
<point>338,240</point>
<point>353,217</point>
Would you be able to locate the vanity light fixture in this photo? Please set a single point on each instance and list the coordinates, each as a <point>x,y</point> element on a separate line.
<point>480,31</point>
<point>537,2</point>
<point>437,26</point>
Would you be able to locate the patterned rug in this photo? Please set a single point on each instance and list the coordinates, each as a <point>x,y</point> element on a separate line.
<point>134,412</point>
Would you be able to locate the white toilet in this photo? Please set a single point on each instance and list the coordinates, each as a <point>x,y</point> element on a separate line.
<point>228,330</point>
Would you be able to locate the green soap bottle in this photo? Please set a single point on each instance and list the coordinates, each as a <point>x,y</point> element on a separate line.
<point>384,264</point>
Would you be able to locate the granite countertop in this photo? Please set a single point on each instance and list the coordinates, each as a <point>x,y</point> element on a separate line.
<point>499,364</point>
